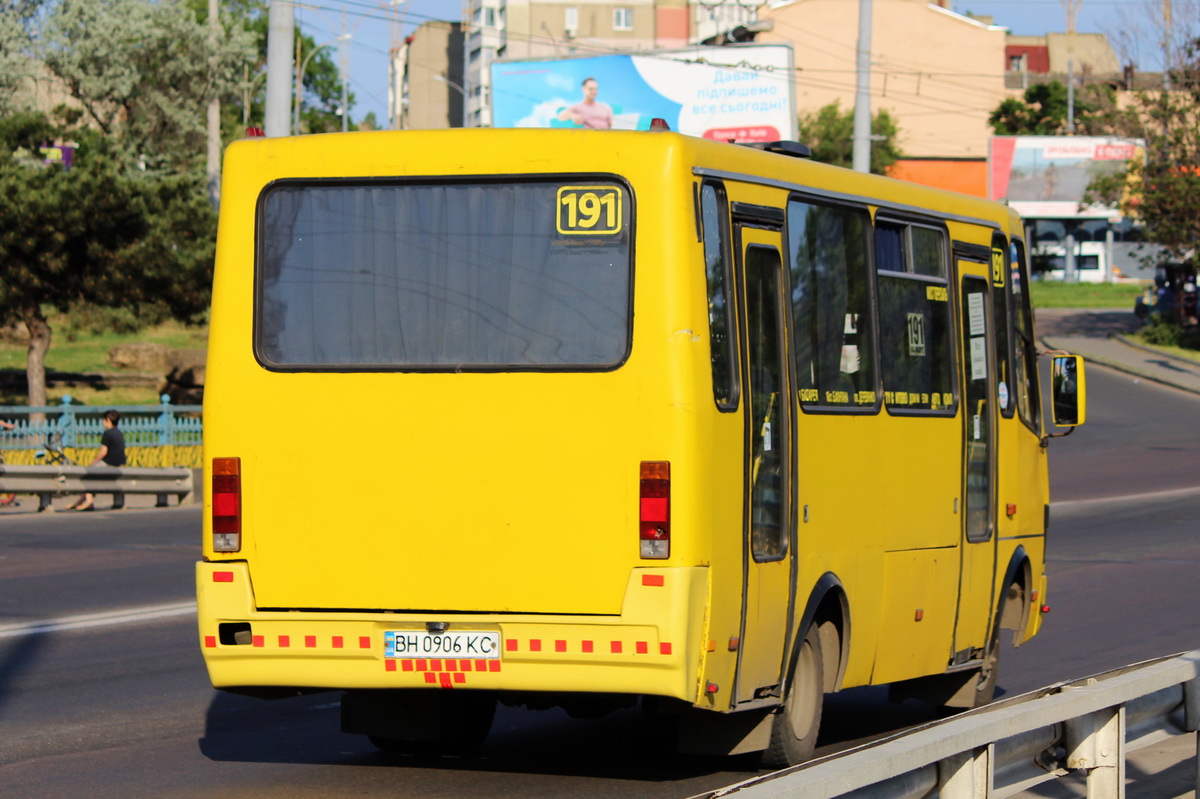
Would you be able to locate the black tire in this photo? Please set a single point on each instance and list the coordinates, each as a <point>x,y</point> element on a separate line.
<point>985,678</point>
<point>795,725</point>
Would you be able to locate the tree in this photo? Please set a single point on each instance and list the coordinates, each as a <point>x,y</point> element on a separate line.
<point>15,43</point>
<point>1043,112</point>
<point>829,133</point>
<point>1162,188</point>
<point>93,234</point>
<point>143,72</point>
<point>322,88</point>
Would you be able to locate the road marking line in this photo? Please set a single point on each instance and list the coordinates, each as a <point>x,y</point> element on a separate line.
<point>1177,492</point>
<point>103,619</point>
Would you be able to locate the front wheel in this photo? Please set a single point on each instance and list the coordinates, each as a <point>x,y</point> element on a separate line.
<point>795,726</point>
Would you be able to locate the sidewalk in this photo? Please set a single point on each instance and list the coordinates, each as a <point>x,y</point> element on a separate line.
<point>1103,337</point>
<point>28,504</point>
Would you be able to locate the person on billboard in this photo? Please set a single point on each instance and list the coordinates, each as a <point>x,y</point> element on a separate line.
<point>590,112</point>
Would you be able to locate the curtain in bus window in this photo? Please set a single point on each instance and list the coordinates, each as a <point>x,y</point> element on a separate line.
<point>834,350</point>
<point>915,343</point>
<point>889,247</point>
<point>428,276</point>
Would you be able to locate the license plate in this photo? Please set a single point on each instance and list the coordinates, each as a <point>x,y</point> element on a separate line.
<point>462,644</point>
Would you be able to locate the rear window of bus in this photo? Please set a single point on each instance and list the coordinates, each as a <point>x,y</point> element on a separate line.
<point>443,276</point>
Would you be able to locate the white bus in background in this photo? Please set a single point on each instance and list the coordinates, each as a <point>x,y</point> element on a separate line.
<point>1104,251</point>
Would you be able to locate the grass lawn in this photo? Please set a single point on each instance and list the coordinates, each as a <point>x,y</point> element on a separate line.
<point>83,351</point>
<point>1052,294</point>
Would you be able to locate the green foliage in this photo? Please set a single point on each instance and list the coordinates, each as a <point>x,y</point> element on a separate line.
<point>15,42</point>
<point>1162,188</point>
<point>143,73</point>
<point>1043,112</point>
<point>97,234</point>
<point>830,134</point>
<point>246,105</point>
<point>1161,332</point>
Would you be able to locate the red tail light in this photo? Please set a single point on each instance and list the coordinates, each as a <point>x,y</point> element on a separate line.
<point>227,504</point>
<point>654,521</point>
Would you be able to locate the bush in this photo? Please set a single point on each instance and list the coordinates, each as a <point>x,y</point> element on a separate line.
<point>1161,332</point>
<point>87,319</point>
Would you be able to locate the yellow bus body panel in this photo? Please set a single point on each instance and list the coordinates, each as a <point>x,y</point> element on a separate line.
<point>377,501</point>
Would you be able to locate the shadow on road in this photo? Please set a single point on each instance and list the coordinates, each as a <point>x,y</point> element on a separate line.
<point>17,656</point>
<point>624,745</point>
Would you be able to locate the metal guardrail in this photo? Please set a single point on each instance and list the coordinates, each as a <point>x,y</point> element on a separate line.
<point>1012,745</point>
<point>50,481</point>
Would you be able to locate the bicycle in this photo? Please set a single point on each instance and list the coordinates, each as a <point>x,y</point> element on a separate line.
<point>51,453</point>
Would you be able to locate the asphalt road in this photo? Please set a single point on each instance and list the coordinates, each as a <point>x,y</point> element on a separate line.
<point>119,706</point>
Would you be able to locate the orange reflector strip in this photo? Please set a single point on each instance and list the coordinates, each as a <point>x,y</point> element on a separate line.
<point>652,579</point>
<point>222,577</point>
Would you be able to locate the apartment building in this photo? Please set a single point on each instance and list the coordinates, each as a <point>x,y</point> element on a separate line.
<point>426,80</point>
<point>938,74</point>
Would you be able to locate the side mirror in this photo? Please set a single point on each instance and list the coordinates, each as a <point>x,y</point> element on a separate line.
<point>1069,390</point>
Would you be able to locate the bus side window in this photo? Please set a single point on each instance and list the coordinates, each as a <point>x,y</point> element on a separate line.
<point>1025,364</point>
<point>714,216</point>
<point>916,341</point>
<point>831,306</point>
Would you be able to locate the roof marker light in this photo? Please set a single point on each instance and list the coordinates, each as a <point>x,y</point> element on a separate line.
<point>659,124</point>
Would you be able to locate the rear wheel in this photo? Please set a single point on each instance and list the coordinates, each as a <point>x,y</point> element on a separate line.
<point>795,726</point>
<point>985,679</point>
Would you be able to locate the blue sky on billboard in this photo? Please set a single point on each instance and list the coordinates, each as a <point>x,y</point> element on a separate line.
<point>374,25</point>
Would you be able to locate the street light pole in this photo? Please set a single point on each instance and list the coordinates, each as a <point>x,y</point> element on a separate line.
<point>300,84</point>
<point>458,89</point>
<point>282,24</point>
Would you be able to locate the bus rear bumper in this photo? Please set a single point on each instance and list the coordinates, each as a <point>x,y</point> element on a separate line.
<point>654,647</point>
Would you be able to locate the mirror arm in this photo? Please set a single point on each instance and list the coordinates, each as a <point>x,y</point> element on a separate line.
<point>1045,442</point>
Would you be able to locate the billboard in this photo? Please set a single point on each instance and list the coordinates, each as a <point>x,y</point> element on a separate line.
<point>743,93</point>
<point>1045,177</point>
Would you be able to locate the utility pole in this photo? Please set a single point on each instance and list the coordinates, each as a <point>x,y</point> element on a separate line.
<point>281,29</point>
<point>1071,7</point>
<point>213,165</point>
<point>862,96</point>
<point>345,69</point>
<point>1166,45</point>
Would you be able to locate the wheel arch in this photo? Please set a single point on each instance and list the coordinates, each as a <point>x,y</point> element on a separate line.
<point>1008,617</point>
<point>829,608</point>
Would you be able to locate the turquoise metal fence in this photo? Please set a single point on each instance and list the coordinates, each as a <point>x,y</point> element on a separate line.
<point>70,425</point>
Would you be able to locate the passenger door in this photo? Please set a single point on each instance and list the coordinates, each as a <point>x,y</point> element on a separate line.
<point>976,604</point>
<point>768,524</point>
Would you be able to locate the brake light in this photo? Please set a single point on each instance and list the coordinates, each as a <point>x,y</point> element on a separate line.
<point>227,504</point>
<point>654,521</point>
